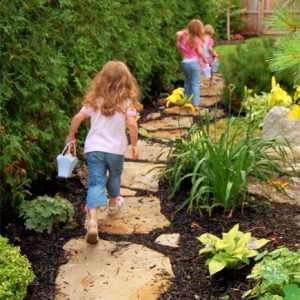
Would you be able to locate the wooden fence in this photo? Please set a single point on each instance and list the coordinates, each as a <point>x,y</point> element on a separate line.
<point>257,11</point>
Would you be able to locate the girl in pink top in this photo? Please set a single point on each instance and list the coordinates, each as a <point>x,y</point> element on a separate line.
<point>110,103</point>
<point>208,47</point>
<point>189,42</point>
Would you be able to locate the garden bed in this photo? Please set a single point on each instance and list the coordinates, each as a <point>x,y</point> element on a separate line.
<point>192,281</point>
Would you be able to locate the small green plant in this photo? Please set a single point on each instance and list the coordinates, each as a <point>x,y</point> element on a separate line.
<point>277,276</point>
<point>45,212</point>
<point>15,273</point>
<point>234,249</point>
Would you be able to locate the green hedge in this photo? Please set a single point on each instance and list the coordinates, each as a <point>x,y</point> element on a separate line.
<point>50,49</point>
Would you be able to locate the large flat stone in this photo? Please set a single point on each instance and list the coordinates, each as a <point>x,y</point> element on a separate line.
<point>165,135</point>
<point>168,123</point>
<point>141,176</point>
<point>292,190</point>
<point>149,151</point>
<point>139,215</point>
<point>112,271</point>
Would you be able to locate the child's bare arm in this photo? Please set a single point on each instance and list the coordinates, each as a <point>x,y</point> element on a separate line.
<point>212,51</point>
<point>133,133</point>
<point>201,53</point>
<point>76,121</point>
<point>179,35</point>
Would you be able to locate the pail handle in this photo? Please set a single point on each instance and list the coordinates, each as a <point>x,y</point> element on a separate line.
<point>67,149</point>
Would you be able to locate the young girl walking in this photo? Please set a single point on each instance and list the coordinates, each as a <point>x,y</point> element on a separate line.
<point>189,41</point>
<point>208,47</point>
<point>111,101</point>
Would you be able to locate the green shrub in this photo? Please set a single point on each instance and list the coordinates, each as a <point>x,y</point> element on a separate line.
<point>50,49</point>
<point>246,65</point>
<point>277,276</point>
<point>234,249</point>
<point>15,274</point>
<point>218,169</point>
<point>45,212</point>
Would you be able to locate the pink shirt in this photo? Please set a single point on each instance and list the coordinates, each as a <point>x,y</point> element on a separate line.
<point>189,52</point>
<point>107,134</point>
<point>209,42</point>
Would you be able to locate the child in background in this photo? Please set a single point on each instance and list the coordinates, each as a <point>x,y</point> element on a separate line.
<point>110,103</point>
<point>189,42</point>
<point>208,47</point>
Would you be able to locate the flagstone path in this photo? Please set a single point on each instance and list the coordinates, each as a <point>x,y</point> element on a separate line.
<point>123,270</point>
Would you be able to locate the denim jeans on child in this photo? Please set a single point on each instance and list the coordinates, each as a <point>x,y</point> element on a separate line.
<point>98,164</point>
<point>191,70</point>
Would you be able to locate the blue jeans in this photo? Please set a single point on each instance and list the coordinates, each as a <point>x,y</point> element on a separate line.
<point>191,70</point>
<point>98,164</point>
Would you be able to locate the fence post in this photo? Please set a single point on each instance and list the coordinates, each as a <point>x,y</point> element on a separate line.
<point>228,23</point>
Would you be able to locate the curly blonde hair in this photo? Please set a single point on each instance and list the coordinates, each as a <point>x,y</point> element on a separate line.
<point>113,86</point>
<point>195,30</point>
<point>209,29</point>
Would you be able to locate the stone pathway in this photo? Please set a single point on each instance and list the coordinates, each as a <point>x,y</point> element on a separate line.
<point>122,270</point>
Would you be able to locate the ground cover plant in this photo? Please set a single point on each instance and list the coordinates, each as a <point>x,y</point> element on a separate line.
<point>16,273</point>
<point>277,276</point>
<point>44,213</point>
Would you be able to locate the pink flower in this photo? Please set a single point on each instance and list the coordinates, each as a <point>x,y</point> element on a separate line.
<point>239,37</point>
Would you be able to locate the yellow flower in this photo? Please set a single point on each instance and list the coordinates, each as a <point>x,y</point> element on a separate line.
<point>295,113</point>
<point>179,91</point>
<point>279,96</point>
<point>297,92</point>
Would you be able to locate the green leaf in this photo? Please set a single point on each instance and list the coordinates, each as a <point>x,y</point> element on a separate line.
<point>291,292</point>
<point>216,266</point>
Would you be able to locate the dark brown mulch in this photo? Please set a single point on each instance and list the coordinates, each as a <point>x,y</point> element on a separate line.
<point>45,251</point>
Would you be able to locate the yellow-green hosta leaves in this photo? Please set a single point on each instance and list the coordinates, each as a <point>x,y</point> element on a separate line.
<point>234,248</point>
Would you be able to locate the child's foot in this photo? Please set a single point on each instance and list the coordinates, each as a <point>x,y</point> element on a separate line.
<point>92,232</point>
<point>113,210</point>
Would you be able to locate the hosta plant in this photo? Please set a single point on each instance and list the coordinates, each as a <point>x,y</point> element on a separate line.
<point>44,212</point>
<point>277,276</point>
<point>234,249</point>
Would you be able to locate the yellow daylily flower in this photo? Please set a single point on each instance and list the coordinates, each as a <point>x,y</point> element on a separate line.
<point>179,91</point>
<point>189,106</point>
<point>174,98</point>
<point>279,96</point>
<point>297,92</point>
<point>295,113</point>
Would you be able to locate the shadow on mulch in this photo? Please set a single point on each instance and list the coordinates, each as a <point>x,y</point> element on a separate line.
<point>192,281</point>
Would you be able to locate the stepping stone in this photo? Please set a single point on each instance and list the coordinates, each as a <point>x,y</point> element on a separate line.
<point>292,190</point>
<point>149,151</point>
<point>127,192</point>
<point>112,271</point>
<point>153,116</point>
<point>165,135</point>
<point>142,176</point>
<point>139,215</point>
<point>170,240</point>
<point>168,123</point>
<point>176,110</point>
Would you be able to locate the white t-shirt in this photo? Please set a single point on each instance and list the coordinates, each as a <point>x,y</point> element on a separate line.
<point>107,134</point>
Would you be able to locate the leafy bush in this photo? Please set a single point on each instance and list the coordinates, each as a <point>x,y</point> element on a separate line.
<point>247,65</point>
<point>277,276</point>
<point>234,249</point>
<point>15,273</point>
<point>45,212</point>
<point>49,51</point>
<point>218,169</point>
